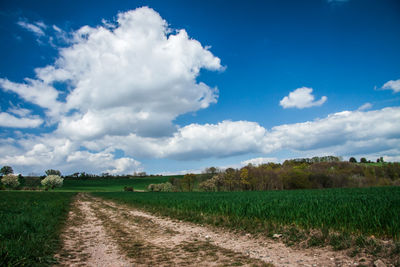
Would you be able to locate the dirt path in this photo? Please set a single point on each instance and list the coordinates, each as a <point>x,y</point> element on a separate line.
<point>103,233</point>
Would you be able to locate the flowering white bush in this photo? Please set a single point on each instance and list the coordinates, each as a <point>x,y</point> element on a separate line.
<point>163,187</point>
<point>10,180</point>
<point>52,181</point>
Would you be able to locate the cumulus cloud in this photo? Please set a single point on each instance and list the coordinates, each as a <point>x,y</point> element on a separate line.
<point>36,154</point>
<point>343,133</point>
<point>392,85</point>
<point>135,77</point>
<point>131,77</point>
<point>301,98</point>
<point>8,120</point>
<point>36,92</point>
<point>342,130</point>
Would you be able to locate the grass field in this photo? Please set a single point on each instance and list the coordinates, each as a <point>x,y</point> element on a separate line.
<point>109,185</point>
<point>367,211</point>
<point>31,221</point>
<point>30,225</point>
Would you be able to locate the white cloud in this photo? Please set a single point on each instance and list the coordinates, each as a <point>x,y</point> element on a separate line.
<point>223,139</point>
<point>392,158</point>
<point>301,98</point>
<point>365,106</point>
<point>36,92</point>
<point>342,133</point>
<point>37,154</point>
<point>57,29</point>
<point>22,112</point>
<point>36,28</point>
<point>341,130</point>
<point>136,77</point>
<point>392,85</point>
<point>347,133</point>
<point>259,161</point>
<point>8,120</point>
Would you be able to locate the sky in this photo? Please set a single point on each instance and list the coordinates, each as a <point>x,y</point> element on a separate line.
<point>171,87</point>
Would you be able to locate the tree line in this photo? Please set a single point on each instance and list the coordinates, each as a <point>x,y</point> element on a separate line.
<point>307,173</point>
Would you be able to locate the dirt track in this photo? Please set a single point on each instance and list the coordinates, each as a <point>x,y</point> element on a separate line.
<point>103,233</point>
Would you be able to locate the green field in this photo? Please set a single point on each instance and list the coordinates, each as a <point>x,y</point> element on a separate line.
<point>367,211</point>
<point>30,222</point>
<point>30,225</point>
<point>109,185</point>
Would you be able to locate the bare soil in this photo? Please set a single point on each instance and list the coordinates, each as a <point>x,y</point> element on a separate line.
<point>104,233</point>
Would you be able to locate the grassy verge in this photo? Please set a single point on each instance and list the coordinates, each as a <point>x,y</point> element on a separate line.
<point>30,226</point>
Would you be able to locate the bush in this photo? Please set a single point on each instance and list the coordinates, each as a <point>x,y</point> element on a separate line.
<point>166,187</point>
<point>52,181</point>
<point>10,181</point>
<point>150,187</point>
<point>209,185</point>
<point>163,187</point>
<point>128,188</point>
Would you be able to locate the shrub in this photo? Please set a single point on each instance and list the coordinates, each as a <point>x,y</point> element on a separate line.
<point>166,187</point>
<point>10,181</point>
<point>128,188</point>
<point>209,185</point>
<point>52,181</point>
<point>163,187</point>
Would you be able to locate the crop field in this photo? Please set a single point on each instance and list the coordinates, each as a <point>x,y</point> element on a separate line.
<point>109,185</point>
<point>365,211</point>
<point>30,225</point>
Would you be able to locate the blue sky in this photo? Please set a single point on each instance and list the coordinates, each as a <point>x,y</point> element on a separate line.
<point>177,86</point>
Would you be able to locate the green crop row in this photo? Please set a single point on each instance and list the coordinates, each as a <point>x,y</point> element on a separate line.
<point>30,225</point>
<point>366,211</point>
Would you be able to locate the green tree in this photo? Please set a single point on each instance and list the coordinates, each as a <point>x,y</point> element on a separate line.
<point>353,160</point>
<point>6,170</point>
<point>363,160</point>
<point>53,172</point>
<point>244,178</point>
<point>188,182</point>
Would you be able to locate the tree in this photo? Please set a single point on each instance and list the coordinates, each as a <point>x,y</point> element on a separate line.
<point>353,160</point>
<point>244,176</point>
<point>10,181</point>
<point>52,181</point>
<point>188,181</point>
<point>363,160</point>
<point>53,172</point>
<point>6,170</point>
<point>211,170</point>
